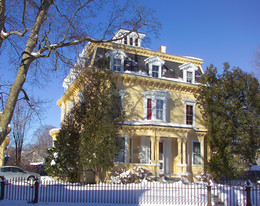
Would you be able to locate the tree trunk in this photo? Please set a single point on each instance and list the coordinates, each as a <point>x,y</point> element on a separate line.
<point>97,175</point>
<point>27,59</point>
<point>2,20</point>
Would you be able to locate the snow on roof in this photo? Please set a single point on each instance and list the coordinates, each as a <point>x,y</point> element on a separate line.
<point>194,58</point>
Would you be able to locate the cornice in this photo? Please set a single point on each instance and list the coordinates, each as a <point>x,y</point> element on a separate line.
<point>149,53</point>
<point>155,83</point>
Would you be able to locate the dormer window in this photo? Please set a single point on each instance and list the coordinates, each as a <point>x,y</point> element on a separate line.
<point>125,40</point>
<point>131,41</point>
<point>155,71</point>
<point>127,37</point>
<point>136,42</point>
<point>189,70</point>
<point>189,77</point>
<point>117,58</point>
<point>117,65</point>
<point>154,65</point>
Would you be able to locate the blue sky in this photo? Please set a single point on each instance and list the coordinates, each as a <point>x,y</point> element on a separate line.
<point>216,31</point>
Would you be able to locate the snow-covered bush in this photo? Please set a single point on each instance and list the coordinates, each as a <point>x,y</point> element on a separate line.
<point>138,175</point>
<point>204,177</point>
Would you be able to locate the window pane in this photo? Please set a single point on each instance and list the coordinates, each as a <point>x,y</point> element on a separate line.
<point>125,40</point>
<point>136,42</point>
<point>189,77</point>
<point>149,108</point>
<point>155,71</point>
<point>159,109</point>
<point>196,153</point>
<point>131,41</point>
<point>117,65</point>
<point>189,114</point>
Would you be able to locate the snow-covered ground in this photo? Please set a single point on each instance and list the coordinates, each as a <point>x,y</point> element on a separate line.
<point>52,192</point>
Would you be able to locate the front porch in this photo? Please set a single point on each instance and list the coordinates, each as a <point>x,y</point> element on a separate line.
<point>164,150</point>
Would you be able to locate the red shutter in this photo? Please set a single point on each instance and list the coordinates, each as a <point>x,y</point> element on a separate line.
<point>149,108</point>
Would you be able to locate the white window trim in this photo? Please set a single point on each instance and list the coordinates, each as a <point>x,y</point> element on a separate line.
<point>118,54</point>
<point>125,153</point>
<point>188,67</point>
<point>154,95</point>
<point>156,61</point>
<point>194,141</point>
<point>192,103</point>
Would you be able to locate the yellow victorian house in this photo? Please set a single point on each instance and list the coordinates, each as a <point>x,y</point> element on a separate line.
<point>163,129</point>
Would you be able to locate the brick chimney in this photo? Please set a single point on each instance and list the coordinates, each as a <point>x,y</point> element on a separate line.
<point>162,49</point>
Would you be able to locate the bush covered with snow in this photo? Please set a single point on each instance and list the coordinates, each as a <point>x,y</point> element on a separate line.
<point>138,175</point>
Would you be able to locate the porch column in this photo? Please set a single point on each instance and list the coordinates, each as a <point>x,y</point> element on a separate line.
<point>184,154</point>
<point>152,149</point>
<point>179,140</point>
<point>157,141</point>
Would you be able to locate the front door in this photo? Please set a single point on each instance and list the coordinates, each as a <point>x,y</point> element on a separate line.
<point>161,157</point>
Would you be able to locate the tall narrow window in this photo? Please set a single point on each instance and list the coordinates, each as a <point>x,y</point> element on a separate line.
<point>136,42</point>
<point>125,40</point>
<point>189,114</point>
<point>149,108</point>
<point>155,71</point>
<point>196,153</point>
<point>159,109</point>
<point>117,65</point>
<point>189,77</point>
<point>131,41</point>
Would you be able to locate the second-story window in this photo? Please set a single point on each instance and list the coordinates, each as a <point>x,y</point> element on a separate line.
<point>159,109</point>
<point>125,40</point>
<point>149,109</point>
<point>189,107</point>
<point>189,114</point>
<point>155,105</point>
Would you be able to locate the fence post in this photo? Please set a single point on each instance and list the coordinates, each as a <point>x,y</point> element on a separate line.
<point>209,194</point>
<point>248,190</point>
<point>2,187</point>
<point>36,190</point>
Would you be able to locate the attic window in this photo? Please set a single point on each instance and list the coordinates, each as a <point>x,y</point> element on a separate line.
<point>189,77</point>
<point>131,41</point>
<point>189,70</point>
<point>117,58</point>
<point>154,66</point>
<point>136,42</point>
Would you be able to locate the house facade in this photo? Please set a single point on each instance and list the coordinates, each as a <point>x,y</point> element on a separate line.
<point>163,129</point>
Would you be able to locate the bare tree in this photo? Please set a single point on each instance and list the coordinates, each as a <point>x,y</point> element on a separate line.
<point>39,29</point>
<point>43,141</point>
<point>24,114</point>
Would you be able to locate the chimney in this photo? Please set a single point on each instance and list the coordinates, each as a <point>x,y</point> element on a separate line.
<point>162,49</point>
